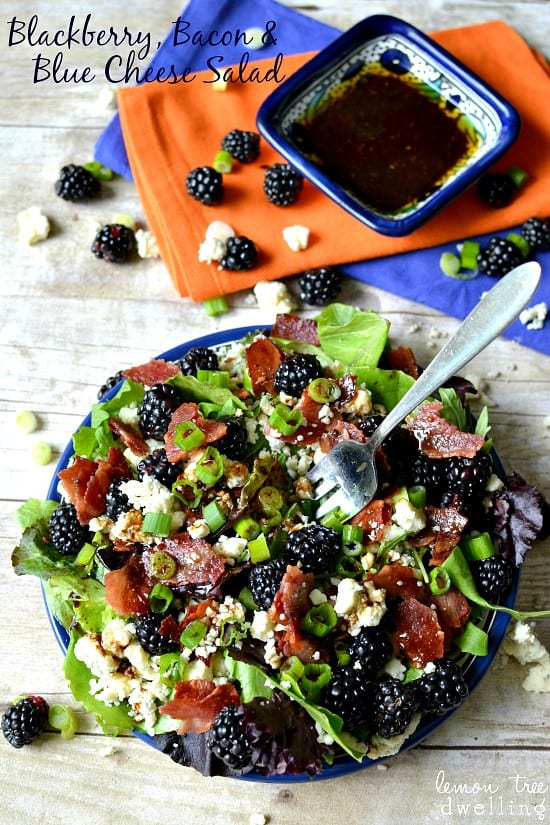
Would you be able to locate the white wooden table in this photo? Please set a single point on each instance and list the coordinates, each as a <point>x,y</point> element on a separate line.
<point>68,321</point>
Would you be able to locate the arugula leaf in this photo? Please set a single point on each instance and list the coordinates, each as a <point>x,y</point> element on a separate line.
<point>386,386</point>
<point>353,337</point>
<point>33,510</point>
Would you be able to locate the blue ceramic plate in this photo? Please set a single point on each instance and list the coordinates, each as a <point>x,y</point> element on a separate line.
<point>389,47</point>
<point>474,668</point>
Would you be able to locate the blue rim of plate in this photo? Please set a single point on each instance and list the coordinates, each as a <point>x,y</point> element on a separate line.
<point>474,670</point>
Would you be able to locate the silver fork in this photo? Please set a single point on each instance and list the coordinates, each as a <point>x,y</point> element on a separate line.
<point>350,466</point>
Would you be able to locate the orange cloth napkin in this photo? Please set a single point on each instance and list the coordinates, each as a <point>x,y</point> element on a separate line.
<point>170,129</point>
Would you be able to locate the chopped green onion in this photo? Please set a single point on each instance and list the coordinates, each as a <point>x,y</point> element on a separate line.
<point>349,567</point>
<point>268,517</point>
<point>324,390</point>
<point>214,515</point>
<point>313,680</point>
<point>223,162</point>
<point>352,540</point>
<point>215,306</point>
<point>85,555</point>
<point>188,436</point>
<point>519,176</point>
<point>163,565</point>
<point>271,497</point>
<point>158,524</point>
<point>209,467</point>
<point>334,519</point>
<point>320,620</point>
<point>449,263</point>
<point>218,378</point>
<point>286,420</point>
<point>26,420</point>
<point>172,669</point>
<point>193,634</point>
<point>478,547</point>
<point>440,581</point>
<point>472,640</point>
<point>293,668</point>
<point>41,453</point>
<point>247,528</point>
<point>417,495</point>
<point>343,656</point>
<point>99,171</point>
<point>124,219</point>
<point>258,549</point>
<point>187,491</point>
<point>63,719</point>
<point>160,598</point>
<point>519,241</point>
<point>468,254</point>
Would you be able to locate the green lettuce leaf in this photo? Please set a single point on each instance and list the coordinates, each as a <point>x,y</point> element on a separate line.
<point>195,390</point>
<point>33,510</point>
<point>251,679</point>
<point>386,386</point>
<point>353,337</point>
<point>35,556</point>
<point>84,598</point>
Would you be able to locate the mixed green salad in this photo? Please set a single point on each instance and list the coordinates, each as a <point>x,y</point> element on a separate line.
<point>206,606</point>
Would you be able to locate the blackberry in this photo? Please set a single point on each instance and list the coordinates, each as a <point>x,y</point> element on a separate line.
<point>227,739</point>
<point>24,721</point>
<point>443,689</point>
<point>398,448</point>
<point>497,189</point>
<point>156,409</point>
<point>264,580</point>
<point>426,472</point>
<point>233,444</point>
<point>205,185</point>
<point>282,184</point>
<point>498,257</point>
<point>114,243</point>
<point>348,694</point>
<point>66,532</point>
<point>393,706</point>
<point>116,502</point>
<point>319,286</point>
<point>240,254</point>
<point>493,576</point>
<point>296,372</point>
<point>149,635</point>
<point>371,648</point>
<point>198,358</point>
<point>243,146</point>
<point>536,232</point>
<point>156,464</point>
<point>467,476</point>
<point>314,547</point>
<point>76,184</point>
<point>109,384</point>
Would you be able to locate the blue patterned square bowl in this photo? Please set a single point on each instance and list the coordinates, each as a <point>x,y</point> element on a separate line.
<point>388,124</point>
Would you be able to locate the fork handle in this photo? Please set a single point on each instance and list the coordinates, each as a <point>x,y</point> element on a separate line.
<point>495,311</point>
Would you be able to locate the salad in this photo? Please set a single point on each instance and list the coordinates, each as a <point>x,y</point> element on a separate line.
<point>203,603</point>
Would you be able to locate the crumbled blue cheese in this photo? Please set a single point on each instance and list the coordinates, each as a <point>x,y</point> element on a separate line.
<point>230,547</point>
<point>380,747</point>
<point>116,636</point>
<point>149,495</point>
<point>360,404</point>
<point>360,603</point>
<point>274,298</point>
<point>395,668</point>
<point>220,230</point>
<point>535,316</point>
<point>88,650</point>
<point>296,237</point>
<point>147,245</point>
<point>211,249</point>
<point>409,518</point>
<point>199,529</point>
<point>33,225</point>
<point>523,645</point>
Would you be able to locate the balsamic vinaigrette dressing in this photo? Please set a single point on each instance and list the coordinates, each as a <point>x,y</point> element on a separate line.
<point>384,140</point>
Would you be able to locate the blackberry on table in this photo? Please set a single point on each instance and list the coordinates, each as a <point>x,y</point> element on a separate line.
<point>241,254</point>
<point>149,635</point>
<point>233,444</point>
<point>66,532</point>
<point>536,232</point>
<point>23,722</point>
<point>264,580</point>
<point>75,183</point>
<point>296,372</point>
<point>156,409</point>
<point>319,286</point>
<point>282,184</point>
<point>314,547</point>
<point>393,706</point>
<point>116,502</point>
<point>348,694</point>
<point>442,689</point>
<point>227,738</point>
<point>243,146</point>
<point>371,648</point>
<point>109,384</point>
<point>114,243</point>
<point>497,189</point>
<point>156,464</point>
<point>493,576</point>
<point>205,184</point>
<point>198,358</point>
<point>498,257</point>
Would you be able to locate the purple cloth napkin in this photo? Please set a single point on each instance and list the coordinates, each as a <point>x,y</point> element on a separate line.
<point>414,275</point>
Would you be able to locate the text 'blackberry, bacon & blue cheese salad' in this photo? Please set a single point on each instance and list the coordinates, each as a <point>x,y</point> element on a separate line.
<point>208,607</point>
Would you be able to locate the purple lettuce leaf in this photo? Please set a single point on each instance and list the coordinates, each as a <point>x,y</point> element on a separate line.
<point>520,516</point>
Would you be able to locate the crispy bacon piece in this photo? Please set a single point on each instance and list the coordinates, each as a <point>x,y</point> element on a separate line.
<point>196,561</point>
<point>129,437</point>
<point>399,580</point>
<point>402,358</point>
<point>86,482</point>
<point>293,328</point>
<point>263,357</point>
<point>197,702</point>
<point>418,632</point>
<point>452,608</point>
<point>127,589</point>
<point>156,371</point>
<point>290,604</point>
<point>373,518</point>
<point>189,411</point>
<point>439,438</point>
